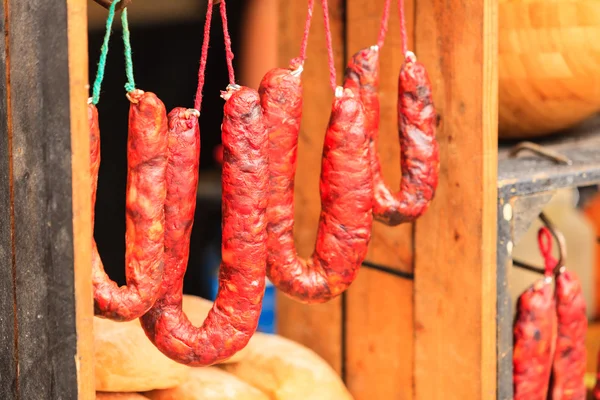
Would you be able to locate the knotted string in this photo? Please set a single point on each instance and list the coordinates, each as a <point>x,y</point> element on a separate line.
<point>103,53</point>
<point>303,47</point>
<point>130,85</point>
<point>331,59</point>
<point>204,56</point>
<point>228,51</point>
<point>545,245</point>
<point>403,27</point>
<point>384,23</point>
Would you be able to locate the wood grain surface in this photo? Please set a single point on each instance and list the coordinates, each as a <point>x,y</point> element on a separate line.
<point>455,241</point>
<point>45,117</point>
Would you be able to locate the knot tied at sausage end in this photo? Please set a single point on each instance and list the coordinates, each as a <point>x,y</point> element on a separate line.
<point>346,189</point>
<point>234,316</point>
<point>417,119</point>
<point>144,217</point>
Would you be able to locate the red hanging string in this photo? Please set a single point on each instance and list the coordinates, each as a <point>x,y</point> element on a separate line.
<point>384,23</point>
<point>300,60</point>
<point>204,57</point>
<point>403,27</point>
<point>545,245</point>
<point>227,38</point>
<point>332,77</point>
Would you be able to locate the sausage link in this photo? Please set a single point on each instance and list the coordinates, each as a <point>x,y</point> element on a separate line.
<point>94,126</point>
<point>235,313</point>
<point>596,391</point>
<point>417,119</point>
<point>534,342</point>
<point>568,370</point>
<point>144,236</point>
<point>346,193</point>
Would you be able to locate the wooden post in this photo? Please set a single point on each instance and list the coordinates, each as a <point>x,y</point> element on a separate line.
<point>455,269</point>
<point>45,218</point>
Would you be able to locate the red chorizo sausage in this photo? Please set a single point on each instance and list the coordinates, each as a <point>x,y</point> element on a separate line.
<point>417,120</point>
<point>346,193</point>
<point>236,310</point>
<point>534,342</point>
<point>568,369</point>
<point>146,192</point>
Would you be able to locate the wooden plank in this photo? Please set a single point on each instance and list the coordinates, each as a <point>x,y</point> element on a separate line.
<point>82,202</point>
<point>316,326</point>
<point>390,246</point>
<point>8,354</point>
<point>47,126</point>
<point>455,281</point>
<point>379,337</point>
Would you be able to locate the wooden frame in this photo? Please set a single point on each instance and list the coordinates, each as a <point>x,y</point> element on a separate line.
<point>45,218</point>
<point>391,337</point>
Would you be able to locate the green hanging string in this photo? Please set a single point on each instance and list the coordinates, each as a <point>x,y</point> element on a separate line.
<point>130,85</point>
<point>103,53</point>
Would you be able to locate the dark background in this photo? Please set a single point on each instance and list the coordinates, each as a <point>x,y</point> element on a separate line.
<point>165,61</point>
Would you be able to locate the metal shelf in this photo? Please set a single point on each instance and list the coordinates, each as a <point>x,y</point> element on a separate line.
<point>525,185</point>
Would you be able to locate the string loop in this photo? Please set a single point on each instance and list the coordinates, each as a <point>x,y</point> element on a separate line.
<point>103,53</point>
<point>384,23</point>
<point>228,52</point>
<point>204,56</point>
<point>130,85</point>
<point>298,63</point>
<point>403,28</point>
<point>331,59</point>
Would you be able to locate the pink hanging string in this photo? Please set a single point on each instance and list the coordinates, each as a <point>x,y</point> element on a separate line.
<point>332,74</point>
<point>545,245</point>
<point>300,60</point>
<point>204,56</point>
<point>227,38</point>
<point>384,23</point>
<point>402,26</point>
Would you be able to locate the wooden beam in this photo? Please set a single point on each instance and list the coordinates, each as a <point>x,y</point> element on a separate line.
<point>82,202</point>
<point>379,312</point>
<point>8,350</point>
<point>316,326</point>
<point>455,281</point>
<point>47,120</point>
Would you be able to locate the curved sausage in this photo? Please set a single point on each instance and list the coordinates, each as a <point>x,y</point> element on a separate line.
<point>534,341</point>
<point>568,369</point>
<point>236,310</point>
<point>346,193</point>
<point>417,121</point>
<point>144,237</point>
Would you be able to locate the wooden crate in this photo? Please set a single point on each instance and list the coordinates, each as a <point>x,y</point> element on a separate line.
<point>420,321</point>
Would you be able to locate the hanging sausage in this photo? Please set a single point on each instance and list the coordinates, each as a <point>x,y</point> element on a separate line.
<point>235,313</point>
<point>146,191</point>
<point>417,119</point>
<point>346,187</point>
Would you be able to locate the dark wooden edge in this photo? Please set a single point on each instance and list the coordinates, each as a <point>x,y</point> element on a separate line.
<point>8,348</point>
<point>40,112</point>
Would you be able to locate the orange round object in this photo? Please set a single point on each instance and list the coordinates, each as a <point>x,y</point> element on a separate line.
<point>548,65</point>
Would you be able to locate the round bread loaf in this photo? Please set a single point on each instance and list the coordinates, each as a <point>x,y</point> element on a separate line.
<point>126,360</point>
<point>286,370</point>
<point>209,383</point>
